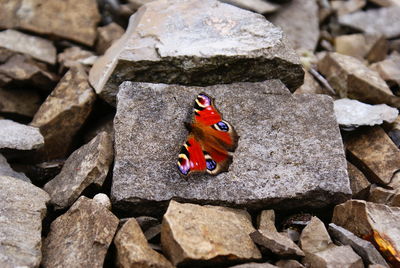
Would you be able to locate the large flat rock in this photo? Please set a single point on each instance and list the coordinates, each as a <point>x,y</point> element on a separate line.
<point>196,43</point>
<point>289,154</point>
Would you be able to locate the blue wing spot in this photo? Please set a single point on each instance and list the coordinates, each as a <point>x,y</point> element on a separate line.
<point>211,165</point>
<point>223,126</point>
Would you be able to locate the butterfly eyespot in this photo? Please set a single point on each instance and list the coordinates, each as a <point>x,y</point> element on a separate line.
<point>221,126</point>
<point>210,163</point>
<point>183,164</point>
<point>203,100</point>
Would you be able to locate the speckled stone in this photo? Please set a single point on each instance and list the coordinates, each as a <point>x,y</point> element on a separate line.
<point>17,136</point>
<point>290,152</point>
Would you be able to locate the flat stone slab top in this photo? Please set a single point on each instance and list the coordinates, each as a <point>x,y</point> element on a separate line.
<point>198,43</point>
<point>289,153</point>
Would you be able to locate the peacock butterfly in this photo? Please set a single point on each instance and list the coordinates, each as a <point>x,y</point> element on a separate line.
<point>209,141</point>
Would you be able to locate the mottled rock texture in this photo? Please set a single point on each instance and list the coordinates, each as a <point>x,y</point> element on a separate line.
<point>259,6</point>
<point>289,154</point>
<point>196,43</point>
<point>17,136</point>
<point>23,102</point>
<point>22,209</point>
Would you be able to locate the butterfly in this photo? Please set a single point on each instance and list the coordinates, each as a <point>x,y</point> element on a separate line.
<point>210,140</point>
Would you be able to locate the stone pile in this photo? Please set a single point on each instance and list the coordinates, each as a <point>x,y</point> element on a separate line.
<point>93,99</point>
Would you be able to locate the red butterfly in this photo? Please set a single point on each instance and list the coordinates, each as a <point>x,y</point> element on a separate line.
<point>209,141</point>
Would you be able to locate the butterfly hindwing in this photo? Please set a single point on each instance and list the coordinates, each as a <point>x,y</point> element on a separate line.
<point>209,142</point>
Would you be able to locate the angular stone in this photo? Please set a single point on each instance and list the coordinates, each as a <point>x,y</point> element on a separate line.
<point>280,144</point>
<point>289,264</point>
<point>386,3</point>
<point>23,102</point>
<point>310,86</point>
<point>394,131</point>
<point>315,237</point>
<point>86,166</point>
<point>133,249</point>
<point>389,70</point>
<point>277,243</point>
<point>22,209</point>
<point>107,35</point>
<point>385,196</point>
<point>259,6</point>
<point>359,184</point>
<point>193,234</point>
<point>346,7</point>
<point>352,79</point>
<point>6,170</point>
<point>80,237</point>
<point>375,154</point>
<point>352,113</point>
<point>75,56</point>
<point>254,265</point>
<point>196,43</point>
<point>36,47</point>
<point>362,247</point>
<point>64,112</point>
<point>266,221</point>
<point>375,222</point>
<point>17,136</point>
<point>303,36</point>
<point>375,21</point>
<point>72,19</point>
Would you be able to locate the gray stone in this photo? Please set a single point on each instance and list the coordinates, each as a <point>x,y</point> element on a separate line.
<point>315,237</point>
<point>17,136</point>
<point>259,6</point>
<point>22,209</point>
<point>375,21</point>
<point>86,166</point>
<point>362,247</point>
<point>73,56</point>
<point>80,237</point>
<point>352,113</point>
<point>196,43</point>
<point>284,139</point>
<point>103,200</point>
<point>36,47</point>
<point>349,6</point>
<point>304,35</point>
<point>6,170</point>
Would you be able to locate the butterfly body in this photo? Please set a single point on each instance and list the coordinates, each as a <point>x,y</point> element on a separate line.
<point>210,141</point>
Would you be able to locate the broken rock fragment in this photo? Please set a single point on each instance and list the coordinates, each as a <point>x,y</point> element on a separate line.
<point>86,166</point>
<point>17,136</point>
<point>196,43</point>
<point>107,35</point>
<point>80,237</point>
<point>389,69</point>
<point>193,234</point>
<point>390,197</point>
<point>259,6</point>
<point>359,184</point>
<point>76,56</point>
<point>23,207</point>
<point>23,102</point>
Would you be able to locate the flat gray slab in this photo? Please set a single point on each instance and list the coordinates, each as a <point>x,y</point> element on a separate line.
<point>289,154</point>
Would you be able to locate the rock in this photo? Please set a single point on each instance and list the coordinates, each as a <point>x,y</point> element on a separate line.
<point>133,249</point>
<point>17,136</point>
<point>372,47</point>
<point>375,222</point>
<point>6,170</point>
<point>304,35</point>
<point>386,3</point>
<point>86,166</point>
<point>72,19</point>
<point>389,70</point>
<point>253,265</point>
<point>359,184</point>
<point>375,21</point>
<point>196,43</point>
<point>23,102</point>
<point>277,243</point>
<point>193,234</point>
<point>266,221</point>
<point>394,132</point>
<point>153,232</point>
<point>346,7</point>
<point>107,35</point>
<point>23,207</point>
<point>375,154</point>
<point>80,237</point>
<point>385,196</point>
<point>36,47</point>
<point>40,173</point>
<point>352,113</point>
<point>64,112</point>
<point>147,222</point>
<point>321,252</point>
<point>76,56</point>
<point>289,264</point>
<point>103,200</point>
<point>104,123</point>
<point>310,86</point>
<point>267,165</point>
<point>362,247</point>
<point>259,6</point>
<point>352,79</point>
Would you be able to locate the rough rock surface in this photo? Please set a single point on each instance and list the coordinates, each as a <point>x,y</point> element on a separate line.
<point>259,6</point>
<point>385,196</point>
<point>193,234</point>
<point>23,102</point>
<point>254,265</point>
<point>22,209</point>
<point>33,46</point>
<point>53,17</point>
<point>304,35</point>
<point>133,249</point>
<point>346,7</point>
<point>389,69</point>
<point>266,220</point>
<point>80,237</point>
<point>375,154</point>
<point>6,170</point>
<point>107,35</point>
<point>17,136</point>
<point>362,247</point>
<point>289,150</point>
<point>375,21</point>
<point>359,184</point>
<point>196,43</point>
<point>64,112</point>
<point>86,166</point>
<point>73,56</point>
<point>352,113</point>
<point>352,79</point>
